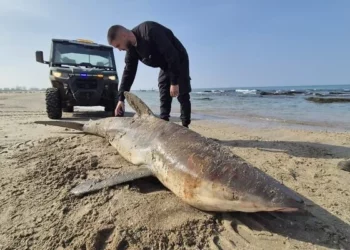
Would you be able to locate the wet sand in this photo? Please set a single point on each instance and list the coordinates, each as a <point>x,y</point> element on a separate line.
<point>39,165</point>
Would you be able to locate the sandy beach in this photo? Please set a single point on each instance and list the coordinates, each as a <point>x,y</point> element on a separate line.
<point>40,164</point>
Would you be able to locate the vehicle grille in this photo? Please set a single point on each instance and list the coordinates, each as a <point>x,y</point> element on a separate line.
<point>86,84</point>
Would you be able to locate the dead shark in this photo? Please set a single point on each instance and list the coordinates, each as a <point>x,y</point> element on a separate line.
<point>200,171</point>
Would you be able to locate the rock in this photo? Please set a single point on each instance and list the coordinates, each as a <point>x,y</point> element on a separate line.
<point>94,162</point>
<point>327,100</point>
<point>279,93</point>
<point>65,210</point>
<point>83,176</point>
<point>39,219</point>
<point>344,165</point>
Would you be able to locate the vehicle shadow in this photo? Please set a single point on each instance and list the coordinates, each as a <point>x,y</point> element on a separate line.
<point>294,148</point>
<point>83,116</point>
<point>318,226</point>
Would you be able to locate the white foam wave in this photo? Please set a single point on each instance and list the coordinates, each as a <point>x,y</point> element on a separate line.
<point>207,92</point>
<point>246,91</point>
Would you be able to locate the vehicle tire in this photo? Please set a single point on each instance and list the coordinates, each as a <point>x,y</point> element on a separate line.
<point>112,104</point>
<point>69,109</point>
<point>53,103</point>
<point>111,107</point>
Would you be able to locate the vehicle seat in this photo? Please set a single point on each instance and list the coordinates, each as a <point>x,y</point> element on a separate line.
<point>67,60</point>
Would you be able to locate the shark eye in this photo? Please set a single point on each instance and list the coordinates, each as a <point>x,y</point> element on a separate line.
<point>229,195</point>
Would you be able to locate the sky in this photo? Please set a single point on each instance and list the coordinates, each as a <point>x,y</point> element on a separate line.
<point>244,43</point>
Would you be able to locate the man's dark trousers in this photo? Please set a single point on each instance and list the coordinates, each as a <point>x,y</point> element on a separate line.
<point>183,97</point>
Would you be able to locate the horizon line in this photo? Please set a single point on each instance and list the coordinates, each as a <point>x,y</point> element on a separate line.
<point>232,87</point>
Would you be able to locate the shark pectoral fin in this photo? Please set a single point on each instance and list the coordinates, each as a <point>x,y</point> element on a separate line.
<point>137,104</point>
<point>94,185</point>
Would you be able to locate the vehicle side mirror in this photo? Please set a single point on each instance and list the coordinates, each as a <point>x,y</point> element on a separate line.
<point>39,56</point>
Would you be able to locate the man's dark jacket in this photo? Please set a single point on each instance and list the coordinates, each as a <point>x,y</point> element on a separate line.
<point>156,47</point>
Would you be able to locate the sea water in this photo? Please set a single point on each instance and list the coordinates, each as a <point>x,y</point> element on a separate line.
<point>265,106</point>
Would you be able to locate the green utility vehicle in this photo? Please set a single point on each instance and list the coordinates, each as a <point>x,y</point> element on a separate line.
<point>82,73</point>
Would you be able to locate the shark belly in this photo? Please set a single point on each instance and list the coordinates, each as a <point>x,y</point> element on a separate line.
<point>134,153</point>
<point>175,175</point>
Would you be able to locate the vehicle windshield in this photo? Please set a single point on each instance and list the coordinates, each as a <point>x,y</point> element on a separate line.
<point>82,55</point>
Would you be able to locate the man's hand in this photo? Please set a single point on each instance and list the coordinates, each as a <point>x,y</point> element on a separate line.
<point>119,110</point>
<point>174,90</point>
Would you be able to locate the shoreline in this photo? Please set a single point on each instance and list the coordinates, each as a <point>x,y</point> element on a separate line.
<point>256,122</point>
<point>244,120</point>
<point>238,118</point>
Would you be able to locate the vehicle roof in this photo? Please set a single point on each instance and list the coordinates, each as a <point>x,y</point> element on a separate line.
<point>81,42</point>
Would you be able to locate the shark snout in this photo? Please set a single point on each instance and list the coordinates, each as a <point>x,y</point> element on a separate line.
<point>277,198</point>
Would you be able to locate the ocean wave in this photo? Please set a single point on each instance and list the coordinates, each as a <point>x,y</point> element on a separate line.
<point>247,91</point>
<point>214,91</point>
<point>283,92</point>
<point>204,99</point>
<point>280,92</point>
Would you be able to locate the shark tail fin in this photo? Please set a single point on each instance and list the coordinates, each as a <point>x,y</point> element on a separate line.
<point>138,105</point>
<point>64,124</point>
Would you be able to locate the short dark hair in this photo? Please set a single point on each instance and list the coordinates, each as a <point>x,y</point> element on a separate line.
<point>114,31</point>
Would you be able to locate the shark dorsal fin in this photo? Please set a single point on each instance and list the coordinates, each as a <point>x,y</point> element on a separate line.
<point>137,104</point>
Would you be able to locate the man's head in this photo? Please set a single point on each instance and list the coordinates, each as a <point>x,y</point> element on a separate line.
<point>120,37</point>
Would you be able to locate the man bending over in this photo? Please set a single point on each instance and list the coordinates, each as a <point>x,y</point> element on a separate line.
<point>156,46</point>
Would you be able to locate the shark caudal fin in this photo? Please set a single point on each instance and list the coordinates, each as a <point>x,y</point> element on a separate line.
<point>64,124</point>
<point>101,127</point>
<point>138,105</point>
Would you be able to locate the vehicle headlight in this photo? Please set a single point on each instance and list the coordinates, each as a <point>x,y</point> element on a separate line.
<point>112,78</point>
<point>56,74</point>
<point>60,74</point>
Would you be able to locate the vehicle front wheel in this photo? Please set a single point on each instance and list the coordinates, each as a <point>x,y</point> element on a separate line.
<point>112,103</point>
<point>110,108</point>
<point>53,103</point>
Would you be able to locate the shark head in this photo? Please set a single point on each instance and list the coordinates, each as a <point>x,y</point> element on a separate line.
<point>255,194</point>
<point>225,182</point>
<point>269,195</point>
<point>216,196</point>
